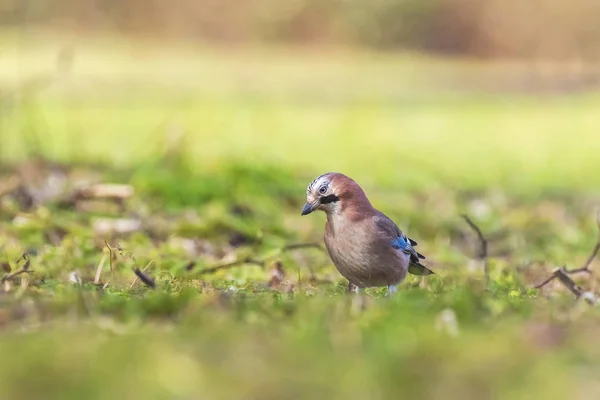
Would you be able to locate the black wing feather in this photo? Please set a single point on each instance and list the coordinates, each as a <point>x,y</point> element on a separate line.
<point>415,267</point>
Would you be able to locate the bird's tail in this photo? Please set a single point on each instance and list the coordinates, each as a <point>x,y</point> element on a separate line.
<point>416,268</point>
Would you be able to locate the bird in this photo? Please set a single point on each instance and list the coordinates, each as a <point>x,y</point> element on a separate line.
<point>366,246</point>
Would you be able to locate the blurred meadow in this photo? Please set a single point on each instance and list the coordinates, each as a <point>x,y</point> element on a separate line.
<point>153,163</point>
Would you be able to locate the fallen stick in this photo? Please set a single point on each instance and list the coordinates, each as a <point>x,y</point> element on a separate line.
<point>482,253</point>
<point>562,274</point>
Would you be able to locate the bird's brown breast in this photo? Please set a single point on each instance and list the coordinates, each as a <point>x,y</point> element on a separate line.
<point>362,257</point>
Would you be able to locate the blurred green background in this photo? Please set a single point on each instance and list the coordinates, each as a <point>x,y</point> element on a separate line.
<point>212,116</point>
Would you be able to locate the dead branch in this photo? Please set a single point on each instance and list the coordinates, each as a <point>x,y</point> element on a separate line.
<point>562,273</point>
<point>482,253</point>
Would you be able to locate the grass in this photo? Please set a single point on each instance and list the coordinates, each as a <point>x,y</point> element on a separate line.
<point>219,147</point>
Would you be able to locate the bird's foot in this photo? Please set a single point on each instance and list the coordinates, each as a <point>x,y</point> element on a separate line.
<point>392,289</point>
<point>358,303</point>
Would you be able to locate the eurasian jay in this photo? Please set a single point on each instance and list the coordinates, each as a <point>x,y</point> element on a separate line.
<point>366,247</point>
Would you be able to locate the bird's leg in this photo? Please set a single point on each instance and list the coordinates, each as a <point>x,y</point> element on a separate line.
<point>392,289</point>
<point>359,301</point>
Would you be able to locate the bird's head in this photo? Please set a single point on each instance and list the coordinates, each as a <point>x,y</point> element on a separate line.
<point>332,193</point>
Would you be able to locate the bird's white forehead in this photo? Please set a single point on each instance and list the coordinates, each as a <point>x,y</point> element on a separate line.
<point>317,183</point>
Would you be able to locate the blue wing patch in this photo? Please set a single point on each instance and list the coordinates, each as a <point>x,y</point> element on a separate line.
<point>406,244</point>
<point>402,243</point>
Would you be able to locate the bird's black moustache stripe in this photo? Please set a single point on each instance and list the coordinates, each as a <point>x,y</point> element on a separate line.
<point>332,198</point>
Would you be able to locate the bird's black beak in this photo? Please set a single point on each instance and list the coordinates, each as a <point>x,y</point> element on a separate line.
<point>309,207</point>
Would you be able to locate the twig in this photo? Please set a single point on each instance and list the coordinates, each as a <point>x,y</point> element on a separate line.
<point>110,260</point>
<point>126,254</point>
<point>139,273</point>
<point>22,270</point>
<point>10,276</point>
<point>547,281</point>
<point>260,262</point>
<point>578,271</point>
<point>99,270</point>
<point>561,273</point>
<point>295,246</point>
<point>137,276</point>
<point>249,261</point>
<point>144,278</point>
<point>483,248</point>
<point>563,277</point>
<point>594,251</point>
<point>24,256</point>
<point>482,254</point>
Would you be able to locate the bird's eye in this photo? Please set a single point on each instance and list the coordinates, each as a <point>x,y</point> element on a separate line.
<point>323,189</point>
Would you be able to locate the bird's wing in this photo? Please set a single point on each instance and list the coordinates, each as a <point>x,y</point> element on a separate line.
<point>400,241</point>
